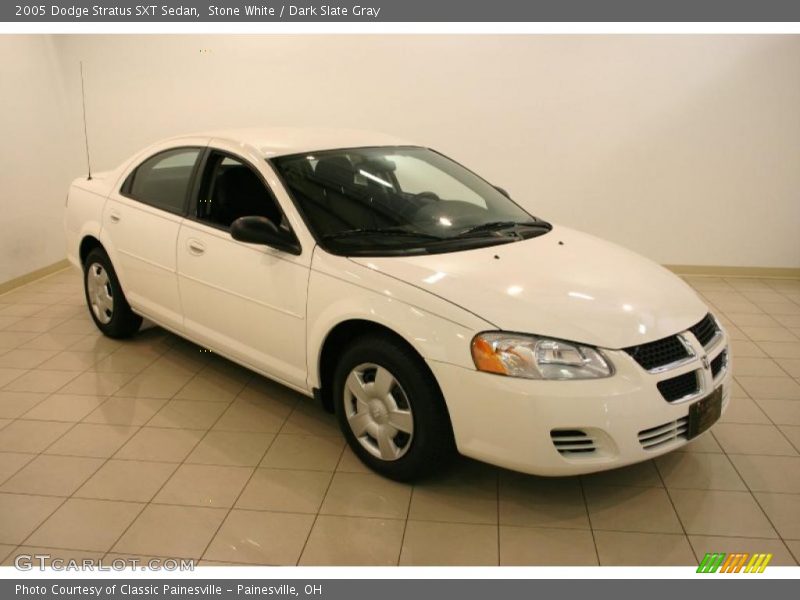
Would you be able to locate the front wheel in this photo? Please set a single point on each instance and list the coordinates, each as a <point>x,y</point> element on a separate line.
<point>390,409</point>
<point>108,307</point>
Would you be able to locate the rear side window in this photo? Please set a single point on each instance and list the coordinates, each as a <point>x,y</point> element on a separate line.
<point>163,180</point>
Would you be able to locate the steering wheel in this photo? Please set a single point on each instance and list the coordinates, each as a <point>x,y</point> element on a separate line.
<point>456,210</point>
<point>427,196</point>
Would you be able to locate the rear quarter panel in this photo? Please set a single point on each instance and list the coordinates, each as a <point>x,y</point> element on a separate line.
<point>83,212</point>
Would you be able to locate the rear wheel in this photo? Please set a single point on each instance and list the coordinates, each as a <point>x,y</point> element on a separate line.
<point>390,409</point>
<point>108,307</point>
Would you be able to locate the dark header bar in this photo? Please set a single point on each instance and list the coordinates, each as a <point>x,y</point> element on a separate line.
<point>205,11</point>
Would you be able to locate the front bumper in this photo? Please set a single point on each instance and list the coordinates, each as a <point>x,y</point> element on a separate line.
<point>533,426</point>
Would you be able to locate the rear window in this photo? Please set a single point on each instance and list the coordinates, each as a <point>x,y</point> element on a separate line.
<point>163,180</point>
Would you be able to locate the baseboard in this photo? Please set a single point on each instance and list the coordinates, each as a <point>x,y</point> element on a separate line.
<point>33,276</point>
<point>715,271</point>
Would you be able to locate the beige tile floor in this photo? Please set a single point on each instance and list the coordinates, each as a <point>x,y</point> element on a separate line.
<point>154,448</point>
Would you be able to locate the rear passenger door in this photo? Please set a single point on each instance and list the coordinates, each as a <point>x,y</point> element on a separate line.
<point>247,301</point>
<point>140,229</point>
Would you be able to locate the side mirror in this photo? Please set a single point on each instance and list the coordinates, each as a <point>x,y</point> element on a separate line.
<point>503,191</point>
<point>260,230</point>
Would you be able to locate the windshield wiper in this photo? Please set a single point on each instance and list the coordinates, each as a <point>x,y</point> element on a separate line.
<point>499,226</point>
<point>388,231</point>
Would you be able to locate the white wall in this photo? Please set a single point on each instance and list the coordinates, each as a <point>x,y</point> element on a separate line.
<point>36,165</point>
<point>685,148</point>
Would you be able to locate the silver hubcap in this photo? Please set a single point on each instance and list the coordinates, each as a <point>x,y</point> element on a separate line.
<point>98,290</point>
<point>378,411</point>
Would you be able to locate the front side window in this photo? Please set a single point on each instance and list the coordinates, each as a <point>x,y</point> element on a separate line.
<point>400,200</point>
<point>231,189</point>
<point>163,180</point>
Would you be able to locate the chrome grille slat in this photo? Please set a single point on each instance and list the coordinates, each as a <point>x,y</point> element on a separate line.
<point>679,387</point>
<point>572,441</point>
<point>673,351</point>
<point>660,435</point>
<point>656,431</point>
<point>719,363</point>
<point>706,330</point>
<point>667,435</point>
<point>582,447</point>
<point>659,353</point>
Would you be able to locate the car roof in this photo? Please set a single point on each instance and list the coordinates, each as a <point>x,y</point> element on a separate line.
<point>281,141</point>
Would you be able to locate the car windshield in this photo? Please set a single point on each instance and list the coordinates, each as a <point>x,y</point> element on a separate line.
<point>400,200</point>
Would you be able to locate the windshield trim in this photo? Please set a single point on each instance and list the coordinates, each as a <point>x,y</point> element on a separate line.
<point>429,247</point>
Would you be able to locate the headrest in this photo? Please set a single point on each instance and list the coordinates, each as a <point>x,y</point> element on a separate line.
<point>242,181</point>
<point>336,170</point>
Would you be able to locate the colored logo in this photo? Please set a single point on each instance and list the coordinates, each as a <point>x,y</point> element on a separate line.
<point>739,562</point>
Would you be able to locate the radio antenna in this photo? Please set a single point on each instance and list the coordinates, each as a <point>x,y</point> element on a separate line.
<point>85,132</point>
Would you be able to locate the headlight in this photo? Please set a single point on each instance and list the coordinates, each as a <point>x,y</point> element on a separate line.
<point>536,357</point>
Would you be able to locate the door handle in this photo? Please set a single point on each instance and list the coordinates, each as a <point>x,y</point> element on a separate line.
<point>114,217</point>
<point>196,247</point>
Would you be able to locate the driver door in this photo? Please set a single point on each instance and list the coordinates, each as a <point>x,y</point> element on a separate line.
<point>244,300</point>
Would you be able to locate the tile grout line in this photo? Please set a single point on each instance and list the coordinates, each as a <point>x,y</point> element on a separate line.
<point>178,465</point>
<point>181,463</point>
<point>319,508</point>
<point>497,514</point>
<point>174,462</point>
<point>405,524</point>
<point>283,425</point>
<point>675,508</point>
<point>41,453</point>
<point>747,485</point>
<point>724,451</point>
<point>38,280</point>
<point>75,424</point>
<point>566,529</point>
<point>72,494</point>
<point>772,422</point>
<point>249,479</point>
<point>589,518</point>
<point>772,359</point>
<point>778,535</point>
<point>48,395</point>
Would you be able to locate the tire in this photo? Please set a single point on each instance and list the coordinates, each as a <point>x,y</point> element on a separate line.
<point>395,387</point>
<point>108,307</point>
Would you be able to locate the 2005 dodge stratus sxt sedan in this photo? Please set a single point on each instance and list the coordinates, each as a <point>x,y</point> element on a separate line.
<point>418,302</point>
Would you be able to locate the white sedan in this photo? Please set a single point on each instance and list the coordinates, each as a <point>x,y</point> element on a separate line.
<point>418,302</point>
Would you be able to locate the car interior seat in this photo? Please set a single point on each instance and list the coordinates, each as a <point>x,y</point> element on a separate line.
<point>238,192</point>
<point>351,202</point>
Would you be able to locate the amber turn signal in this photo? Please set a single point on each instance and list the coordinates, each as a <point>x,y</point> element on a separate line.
<point>485,357</point>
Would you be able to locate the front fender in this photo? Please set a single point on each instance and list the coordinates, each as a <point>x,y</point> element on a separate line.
<point>436,329</point>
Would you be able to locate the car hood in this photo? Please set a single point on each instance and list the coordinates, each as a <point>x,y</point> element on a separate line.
<point>564,284</point>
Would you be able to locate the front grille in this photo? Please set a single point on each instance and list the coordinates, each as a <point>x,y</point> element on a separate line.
<point>659,353</point>
<point>572,441</point>
<point>663,434</point>
<point>678,387</point>
<point>719,363</point>
<point>705,330</point>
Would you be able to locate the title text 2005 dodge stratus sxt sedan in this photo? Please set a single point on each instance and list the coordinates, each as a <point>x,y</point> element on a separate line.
<point>418,302</point>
